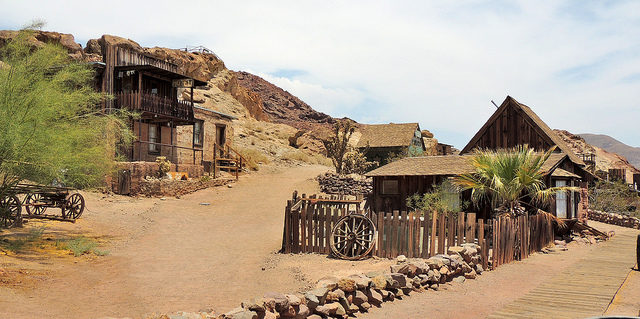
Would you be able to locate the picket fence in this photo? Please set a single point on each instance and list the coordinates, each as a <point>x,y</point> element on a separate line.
<point>308,222</point>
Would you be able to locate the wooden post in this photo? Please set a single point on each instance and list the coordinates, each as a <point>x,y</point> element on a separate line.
<point>638,253</point>
<point>434,226</point>
<point>215,153</point>
<point>460,228</point>
<point>425,235</point>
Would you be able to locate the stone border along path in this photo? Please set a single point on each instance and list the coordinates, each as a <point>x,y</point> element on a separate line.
<point>581,291</point>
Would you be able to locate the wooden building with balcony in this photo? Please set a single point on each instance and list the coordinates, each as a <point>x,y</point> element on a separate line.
<point>155,89</point>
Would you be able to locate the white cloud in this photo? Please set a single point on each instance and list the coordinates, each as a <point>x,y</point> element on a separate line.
<point>439,63</point>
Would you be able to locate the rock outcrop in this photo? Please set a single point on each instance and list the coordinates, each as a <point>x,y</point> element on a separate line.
<point>281,106</point>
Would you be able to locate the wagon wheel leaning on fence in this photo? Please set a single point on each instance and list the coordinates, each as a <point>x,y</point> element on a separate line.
<point>353,237</point>
<point>10,209</point>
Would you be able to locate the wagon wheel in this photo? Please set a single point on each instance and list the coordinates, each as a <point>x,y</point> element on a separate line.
<point>10,209</point>
<point>353,237</point>
<point>34,209</point>
<point>75,205</point>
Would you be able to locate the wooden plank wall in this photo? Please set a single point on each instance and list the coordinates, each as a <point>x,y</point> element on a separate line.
<point>309,221</point>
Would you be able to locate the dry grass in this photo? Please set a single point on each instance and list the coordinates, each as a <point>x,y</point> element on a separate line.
<point>253,157</point>
<point>301,156</point>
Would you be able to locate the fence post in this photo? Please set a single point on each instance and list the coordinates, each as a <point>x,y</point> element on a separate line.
<point>638,254</point>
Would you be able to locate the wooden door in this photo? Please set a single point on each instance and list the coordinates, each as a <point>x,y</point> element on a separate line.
<point>561,200</point>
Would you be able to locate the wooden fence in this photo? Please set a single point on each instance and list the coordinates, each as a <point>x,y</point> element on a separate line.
<point>308,223</point>
<point>516,239</point>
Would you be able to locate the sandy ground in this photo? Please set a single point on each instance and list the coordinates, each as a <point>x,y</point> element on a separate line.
<point>173,254</point>
<point>178,254</point>
<point>493,290</point>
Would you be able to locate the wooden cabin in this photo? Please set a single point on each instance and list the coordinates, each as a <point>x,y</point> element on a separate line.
<point>511,125</point>
<point>381,141</point>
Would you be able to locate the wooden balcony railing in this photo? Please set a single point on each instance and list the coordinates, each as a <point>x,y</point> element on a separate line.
<point>154,104</point>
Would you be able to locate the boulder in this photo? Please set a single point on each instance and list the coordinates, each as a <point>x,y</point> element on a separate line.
<point>470,275</point>
<point>347,285</point>
<point>240,313</point>
<point>293,300</point>
<point>327,309</point>
<point>455,250</point>
<point>359,298</point>
<point>399,280</point>
<point>380,282</point>
<point>401,259</point>
<point>254,305</point>
<point>365,306</point>
<point>328,282</point>
<point>302,312</point>
<point>479,269</point>
<point>312,300</point>
<point>373,297</point>
<point>320,293</point>
<point>459,279</point>
<point>361,280</point>
<point>408,269</point>
<point>280,300</point>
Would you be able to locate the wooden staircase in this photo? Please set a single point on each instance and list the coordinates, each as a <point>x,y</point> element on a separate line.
<point>225,158</point>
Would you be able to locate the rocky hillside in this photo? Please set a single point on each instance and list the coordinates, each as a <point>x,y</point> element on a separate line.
<point>270,119</point>
<point>612,145</point>
<point>280,106</point>
<point>605,160</point>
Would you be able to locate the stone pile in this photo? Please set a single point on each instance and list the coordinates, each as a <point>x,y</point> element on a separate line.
<point>156,187</point>
<point>614,219</point>
<point>331,183</point>
<point>343,297</point>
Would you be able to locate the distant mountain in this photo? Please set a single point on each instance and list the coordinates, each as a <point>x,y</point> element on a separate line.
<point>614,146</point>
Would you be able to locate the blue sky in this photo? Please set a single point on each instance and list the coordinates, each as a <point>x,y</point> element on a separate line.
<point>576,63</point>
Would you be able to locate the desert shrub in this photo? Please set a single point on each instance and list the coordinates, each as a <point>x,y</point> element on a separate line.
<point>164,166</point>
<point>356,163</point>
<point>80,246</point>
<point>297,155</point>
<point>613,197</point>
<point>19,244</point>
<point>253,157</point>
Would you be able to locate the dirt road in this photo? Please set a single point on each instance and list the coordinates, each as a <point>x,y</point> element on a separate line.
<point>207,250</point>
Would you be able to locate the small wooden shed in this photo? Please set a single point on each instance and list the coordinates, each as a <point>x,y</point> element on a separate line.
<point>379,141</point>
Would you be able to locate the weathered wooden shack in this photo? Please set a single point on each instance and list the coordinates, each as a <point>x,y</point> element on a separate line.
<point>511,125</point>
<point>382,141</point>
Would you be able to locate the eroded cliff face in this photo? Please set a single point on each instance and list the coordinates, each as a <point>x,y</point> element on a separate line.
<point>281,106</point>
<point>604,160</point>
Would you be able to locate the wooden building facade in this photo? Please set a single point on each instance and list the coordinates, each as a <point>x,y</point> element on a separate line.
<point>511,125</point>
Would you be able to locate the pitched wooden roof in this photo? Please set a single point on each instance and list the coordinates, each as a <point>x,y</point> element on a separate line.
<point>387,135</point>
<point>449,165</point>
<point>426,165</point>
<point>559,172</point>
<point>532,119</point>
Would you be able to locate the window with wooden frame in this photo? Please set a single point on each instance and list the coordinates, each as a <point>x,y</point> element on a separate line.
<point>390,187</point>
<point>154,137</point>
<point>198,133</point>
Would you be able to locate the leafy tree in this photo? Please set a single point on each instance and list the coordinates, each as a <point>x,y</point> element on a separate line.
<point>509,178</point>
<point>51,125</point>
<point>338,144</point>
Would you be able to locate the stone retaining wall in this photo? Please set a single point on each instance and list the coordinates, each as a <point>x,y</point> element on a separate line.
<point>614,219</point>
<point>331,183</point>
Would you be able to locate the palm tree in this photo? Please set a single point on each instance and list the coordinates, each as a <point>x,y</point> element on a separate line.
<point>509,178</point>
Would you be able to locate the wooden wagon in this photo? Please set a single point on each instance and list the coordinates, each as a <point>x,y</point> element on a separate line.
<point>36,199</point>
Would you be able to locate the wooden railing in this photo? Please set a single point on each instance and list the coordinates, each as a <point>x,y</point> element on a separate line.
<point>152,103</point>
<point>226,157</point>
<point>309,221</point>
<point>126,57</point>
